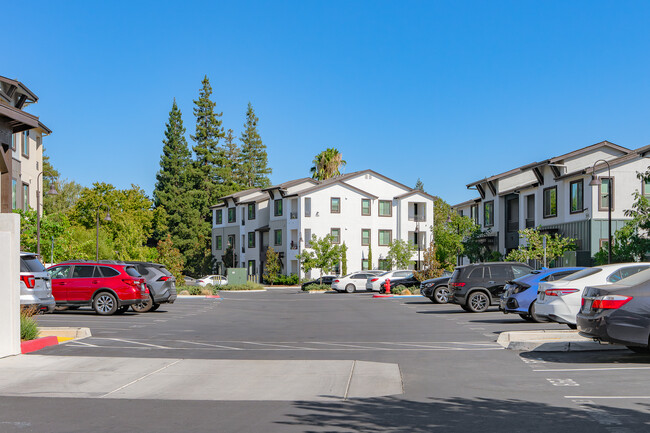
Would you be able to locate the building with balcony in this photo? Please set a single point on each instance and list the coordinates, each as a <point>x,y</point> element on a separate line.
<point>21,148</point>
<point>362,209</point>
<point>555,194</point>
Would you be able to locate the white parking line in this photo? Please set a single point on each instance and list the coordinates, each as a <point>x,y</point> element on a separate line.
<point>210,345</point>
<point>613,397</point>
<point>137,342</point>
<point>279,345</point>
<point>594,369</point>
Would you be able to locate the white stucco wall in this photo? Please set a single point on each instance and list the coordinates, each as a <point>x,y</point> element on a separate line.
<point>9,284</point>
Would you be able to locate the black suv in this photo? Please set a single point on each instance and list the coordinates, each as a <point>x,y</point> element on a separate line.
<point>475,287</point>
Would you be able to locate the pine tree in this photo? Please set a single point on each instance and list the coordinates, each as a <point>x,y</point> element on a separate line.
<point>254,159</point>
<point>370,268</point>
<point>419,185</point>
<point>232,174</point>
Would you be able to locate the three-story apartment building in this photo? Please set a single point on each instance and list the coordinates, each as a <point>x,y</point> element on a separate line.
<point>362,209</point>
<point>556,195</point>
<point>21,148</point>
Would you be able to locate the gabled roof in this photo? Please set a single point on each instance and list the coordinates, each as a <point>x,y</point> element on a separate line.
<point>467,203</point>
<point>290,183</point>
<point>416,191</point>
<point>640,152</point>
<point>24,90</point>
<point>325,184</point>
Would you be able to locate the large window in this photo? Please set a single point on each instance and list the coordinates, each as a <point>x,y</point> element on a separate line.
<point>251,239</point>
<point>13,142</point>
<point>365,237</point>
<point>219,213</point>
<point>335,205</point>
<point>550,202</point>
<point>576,200</point>
<point>336,235</point>
<point>385,208</point>
<point>364,265</point>
<point>251,211</point>
<point>307,207</point>
<point>251,267</point>
<point>603,195</point>
<point>232,215</point>
<point>218,243</point>
<point>488,213</point>
<point>26,144</point>
<point>365,206</point>
<point>14,194</point>
<point>231,241</point>
<point>645,184</point>
<point>277,207</point>
<point>25,196</point>
<point>385,236</point>
<point>278,237</point>
<point>383,264</point>
<point>473,213</point>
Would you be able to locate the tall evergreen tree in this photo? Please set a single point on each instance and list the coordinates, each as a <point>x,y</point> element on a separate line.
<point>254,159</point>
<point>232,174</point>
<point>419,185</point>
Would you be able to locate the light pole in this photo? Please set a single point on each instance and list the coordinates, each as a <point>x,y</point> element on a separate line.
<point>52,191</point>
<point>106,218</point>
<point>596,181</point>
<point>417,238</point>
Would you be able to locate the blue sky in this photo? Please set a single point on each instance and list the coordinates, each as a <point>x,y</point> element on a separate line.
<point>449,92</point>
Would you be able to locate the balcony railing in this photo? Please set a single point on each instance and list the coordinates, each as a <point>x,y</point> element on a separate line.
<point>512,226</point>
<point>293,215</point>
<point>243,249</point>
<point>530,223</point>
<point>418,218</point>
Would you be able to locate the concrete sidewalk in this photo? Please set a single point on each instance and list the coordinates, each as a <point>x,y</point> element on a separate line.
<point>196,379</point>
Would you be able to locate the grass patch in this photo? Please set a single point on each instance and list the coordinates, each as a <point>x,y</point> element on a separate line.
<point>28,326</point>
<point>316,288</point>
<point>400,290</point>
<point>246,286</point>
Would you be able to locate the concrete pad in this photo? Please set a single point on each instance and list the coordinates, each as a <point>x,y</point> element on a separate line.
<point>194,379</point>
<point>551,341</point>
<point>65,332</point>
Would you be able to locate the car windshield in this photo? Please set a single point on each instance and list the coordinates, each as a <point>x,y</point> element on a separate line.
<point>132,271</point>
<point>385,273</point>
<point>31,264</point>
<point>638,278</point>
<point>582,274</point>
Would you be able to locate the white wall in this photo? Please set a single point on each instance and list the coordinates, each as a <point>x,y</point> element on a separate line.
<point>9,284</point>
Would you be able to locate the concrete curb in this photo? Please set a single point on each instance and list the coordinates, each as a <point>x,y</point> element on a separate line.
<point>37,344</point>
<point>396,296</point>
<point>550,341</point>
<point>65,333</point>
<point>198,297</point>
<point>243,291</point>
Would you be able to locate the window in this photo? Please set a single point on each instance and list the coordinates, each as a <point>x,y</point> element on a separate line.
<point>365,206</point>
<point>603,196</point>
<point>251,211</point>
<point>13,142</point>
<point>499,273</point>
<point>520,271</point>
<point>38,142</point>
<point>365,237</point>
<point>251,239</point>
<point>336,236</point>
<point>219,216</point>
<point>231,241</point>
<point>307,238</point>
<point>59,272</point>
<point>307,207</point>
<point>106,272</point>
<point>473,213</point>
<point>550,202</point>
<point>488,213</point>
<point>385,208</point>
<point>251,267</point>
<point>385,237</point>
<point>278,237</point>
<point>477,273</point>
<point>25,196</point>
<point>83,271</point>
<point>14,193</point>
<point>218,243</point>
<point>335,205</point>
<point>364,264</point>
<point>277,207</point>
<point>384,264</point>
<point>645,185</point>
<point>25,148</point>
<point>232,216</point>
<point>576,201</point>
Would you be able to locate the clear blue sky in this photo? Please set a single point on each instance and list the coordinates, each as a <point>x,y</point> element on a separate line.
<point>446,91</point>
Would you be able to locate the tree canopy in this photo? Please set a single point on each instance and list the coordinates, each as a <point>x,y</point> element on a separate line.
<point>327,164</point>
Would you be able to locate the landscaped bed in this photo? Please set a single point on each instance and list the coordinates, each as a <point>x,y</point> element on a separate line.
<point>213,290</point>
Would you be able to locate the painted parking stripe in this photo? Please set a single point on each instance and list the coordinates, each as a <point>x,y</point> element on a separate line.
<point>279,345</point>
<point>594,369</point>
<point>210,345</point>
<point>605,397</point>
<point>138,342</point>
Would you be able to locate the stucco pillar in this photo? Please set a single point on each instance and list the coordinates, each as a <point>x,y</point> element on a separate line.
<point>9,284</point>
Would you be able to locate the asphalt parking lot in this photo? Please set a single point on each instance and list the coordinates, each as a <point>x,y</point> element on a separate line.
<point>285,361</point>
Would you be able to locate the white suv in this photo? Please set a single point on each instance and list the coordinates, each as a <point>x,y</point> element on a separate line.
<point>374,283</point>
<point>35,284</point>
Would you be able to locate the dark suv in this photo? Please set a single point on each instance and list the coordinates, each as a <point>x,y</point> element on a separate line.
<point>475,287</point>
<point>161,284</point>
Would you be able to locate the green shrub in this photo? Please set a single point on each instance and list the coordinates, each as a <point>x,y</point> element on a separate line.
<point>194,290</point>
<point>316,287</point>
<point>398,290</point>
<point>249,285</point>
<point>28,327</point>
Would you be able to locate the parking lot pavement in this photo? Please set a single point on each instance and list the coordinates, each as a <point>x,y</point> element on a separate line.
<point>454,375</point>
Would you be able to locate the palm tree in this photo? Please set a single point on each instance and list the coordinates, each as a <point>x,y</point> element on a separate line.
<point>327,164</point>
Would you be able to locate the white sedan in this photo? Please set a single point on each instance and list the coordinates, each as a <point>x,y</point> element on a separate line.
<point>352,282</point>
<point>560,300</point>
<point>215,280</point>
<point>374,282</point>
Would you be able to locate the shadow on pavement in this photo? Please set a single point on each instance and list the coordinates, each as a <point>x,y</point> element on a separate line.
<point>459,415</point>
<point>623,356</point>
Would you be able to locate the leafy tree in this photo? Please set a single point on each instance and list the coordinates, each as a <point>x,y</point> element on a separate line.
<point>431,267</point>
<point>171,257</point>
<point>254,160</point>
<point>68,192</point>
<point>419,185</point>
<point>370,267</point>
<point>400,254</point>
<point>322,254</point>
<point>272,266</point>
<point>51,227</point>
<point>50,174</point>
<point>344,259</point>
<point>327,164</point>
<point>448,232</point>
<point>533,249</point>
<point>228,257</point>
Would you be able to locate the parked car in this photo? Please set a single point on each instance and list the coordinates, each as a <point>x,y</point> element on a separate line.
<point>161,284</point>
<point>618,313</point>
<point>327,280</point>
<point>35,284</point>
<point>520,294</point>
<point>350,283</point>
<point>408,282</point>
<point>436,289</point>
<point>477,286</point>
<point>560,301</point>
<point>215,280</point>
<point>374,281</point>
<point>108,288</point>
<point>189,281</point>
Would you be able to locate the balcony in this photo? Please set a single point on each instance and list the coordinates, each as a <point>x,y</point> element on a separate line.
<point>512,226</point>
<point>293,215</point>
<point>530,223</point>
<point>418,218</point>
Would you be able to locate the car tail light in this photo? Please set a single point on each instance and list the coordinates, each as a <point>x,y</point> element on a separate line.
<point>457,284</point>
<point>374,279</point>
<point>336,281</point>
<point>610,302</point>
<point>559,292</point>
<point>165,278</point>
<point>29,281</point>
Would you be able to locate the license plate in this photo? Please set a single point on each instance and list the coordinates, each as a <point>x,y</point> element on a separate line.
<point>587,307</point>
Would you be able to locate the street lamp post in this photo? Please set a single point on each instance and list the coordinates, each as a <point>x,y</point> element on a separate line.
<point>52,191</point>
<point>596,181</point>
<point>106,218</point>
<point>417,238</point>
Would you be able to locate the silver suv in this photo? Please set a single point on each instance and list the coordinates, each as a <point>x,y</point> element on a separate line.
<point>35,284</point>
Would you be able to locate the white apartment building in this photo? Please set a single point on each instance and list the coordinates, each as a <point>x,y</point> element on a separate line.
<point>362,209</point>
<point>555,194</point>
<point>21,148</point>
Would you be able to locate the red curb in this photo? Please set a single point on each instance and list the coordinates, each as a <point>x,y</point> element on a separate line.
<point>38,344</point>
<point>382,296</point>
<point>213,296</point>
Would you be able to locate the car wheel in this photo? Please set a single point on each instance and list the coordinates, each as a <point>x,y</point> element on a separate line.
<point>466,308</point>
<point>143,307</point>
<point>105,304</point>
<point>526,317</point>
<point>572,325</point>
<point>441,295</point>
<point>478,302</point>
<point>534,317</point>
<point>154,307</point>
<point>350,288</point>
<point>639,349</point>
<point>121,310</point>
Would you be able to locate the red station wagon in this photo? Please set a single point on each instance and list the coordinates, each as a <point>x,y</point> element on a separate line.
<point>107,288</point>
